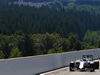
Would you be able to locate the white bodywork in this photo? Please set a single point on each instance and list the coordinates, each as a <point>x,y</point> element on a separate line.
<point>81,65</point>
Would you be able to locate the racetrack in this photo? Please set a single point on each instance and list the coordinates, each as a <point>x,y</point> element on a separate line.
<point>65,71</point>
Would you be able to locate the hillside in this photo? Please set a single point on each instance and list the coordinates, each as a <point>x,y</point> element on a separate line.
<point>50,28</point>
<point>51,17</point>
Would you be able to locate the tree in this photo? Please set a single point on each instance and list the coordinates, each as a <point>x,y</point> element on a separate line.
<point>15,53</point>
<point>66,44</point>
<point>92,37</point>
<point>4,45</point>
<point>2,56</point>
<point>29,46</point>
<point>74,42</point>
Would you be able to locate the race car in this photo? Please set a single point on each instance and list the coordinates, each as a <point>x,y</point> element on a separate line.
<point>85,64</point>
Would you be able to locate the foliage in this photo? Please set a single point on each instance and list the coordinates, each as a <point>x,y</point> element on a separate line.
<point>21,44</point>
<point>51,17</point>
<point>1,54</point>
<point>74,41</point>
<point>51,28</point>
<point>92,37</point>
<point>15,53</point>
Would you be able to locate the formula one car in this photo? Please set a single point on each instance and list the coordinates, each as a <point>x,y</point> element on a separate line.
<point>84,64</point>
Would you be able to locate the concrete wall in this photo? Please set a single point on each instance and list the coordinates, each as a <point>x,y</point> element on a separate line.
<point>38,64</point>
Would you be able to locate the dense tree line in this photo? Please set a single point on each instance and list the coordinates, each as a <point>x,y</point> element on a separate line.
<point>89,8</point>
<point>20,44</point>
<point>51,28</point>
<point>92,38</point>
<point>50,17</point>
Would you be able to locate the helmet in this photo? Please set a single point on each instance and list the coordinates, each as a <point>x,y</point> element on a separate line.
<point>84,59</point>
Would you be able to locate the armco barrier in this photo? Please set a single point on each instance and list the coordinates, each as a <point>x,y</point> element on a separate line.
<point>37,64</point>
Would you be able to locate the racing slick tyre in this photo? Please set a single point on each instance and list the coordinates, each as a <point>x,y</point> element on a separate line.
<point>71,66</point>
<point>96,64</point>
<point>92,68</point>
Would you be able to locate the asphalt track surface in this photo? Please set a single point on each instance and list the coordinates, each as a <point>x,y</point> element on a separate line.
<point>65,71</point>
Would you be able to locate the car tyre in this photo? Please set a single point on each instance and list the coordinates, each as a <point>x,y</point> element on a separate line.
<point>92,68</point>
<point>71,68</point>
<point>96,65</point>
